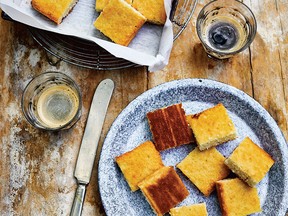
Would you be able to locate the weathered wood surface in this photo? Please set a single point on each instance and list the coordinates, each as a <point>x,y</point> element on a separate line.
<point>36,167</point>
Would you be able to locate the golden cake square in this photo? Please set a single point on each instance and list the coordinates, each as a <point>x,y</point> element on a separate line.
<point>54,10</point>
<point>212,127</point>
<point>100,4</point>
<point>163,190</point>
<point>191,210</point>
<point>139,163</point>
<point>249,162</point>
<point>120,22</point>
<point>237,198</point>
<point>204,168</point>
<point>153,10</point>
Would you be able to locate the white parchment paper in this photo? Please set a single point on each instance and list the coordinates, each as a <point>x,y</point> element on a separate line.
<point>151,46</point>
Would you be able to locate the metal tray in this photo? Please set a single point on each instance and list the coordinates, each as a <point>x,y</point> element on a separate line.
<point>87,54</point>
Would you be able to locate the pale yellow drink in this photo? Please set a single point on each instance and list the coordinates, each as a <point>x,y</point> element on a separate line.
<point>57,105</point>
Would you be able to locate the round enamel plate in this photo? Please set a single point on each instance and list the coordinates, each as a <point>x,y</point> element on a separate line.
<point>131,129</point>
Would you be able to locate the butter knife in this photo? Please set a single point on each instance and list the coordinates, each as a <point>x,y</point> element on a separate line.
<point>89,144</point>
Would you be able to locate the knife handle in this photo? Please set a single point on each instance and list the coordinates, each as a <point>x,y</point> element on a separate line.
<point>78,200</point>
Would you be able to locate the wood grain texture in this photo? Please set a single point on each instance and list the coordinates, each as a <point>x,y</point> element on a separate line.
<point>36,167</point>
<point>6,51</point>
<point>268,64</point>
<point>189,60</point>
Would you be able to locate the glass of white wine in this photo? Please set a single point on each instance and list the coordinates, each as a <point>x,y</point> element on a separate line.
<point>225,28</point>
<point>52,101</point>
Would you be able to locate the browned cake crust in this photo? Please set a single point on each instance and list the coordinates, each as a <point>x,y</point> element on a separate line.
<point>177,122</point>
<point>169,127</point>
<point>162,134</point>
<point>164,190</point>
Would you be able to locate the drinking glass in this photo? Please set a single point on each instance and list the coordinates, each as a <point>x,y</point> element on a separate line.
<point>52,101</point>
<point>225,28</point>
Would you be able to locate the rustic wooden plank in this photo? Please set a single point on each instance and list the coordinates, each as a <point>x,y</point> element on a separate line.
<point>189,60</point>
<point>37,166</point>
<point>282,8</point>
<point>269,60</point>
<point>6,51</point>
<point>123,94</point>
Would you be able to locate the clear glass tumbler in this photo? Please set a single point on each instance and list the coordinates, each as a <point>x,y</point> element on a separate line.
<point>52,101</point>
<point>225,28</point>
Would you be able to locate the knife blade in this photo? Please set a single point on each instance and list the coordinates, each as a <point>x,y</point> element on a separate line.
<point>89,144</point>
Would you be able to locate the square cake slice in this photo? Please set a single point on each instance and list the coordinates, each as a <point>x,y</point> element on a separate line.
<point>153,10</point>
<point>212,127</point>
<point>139,163</point>
<point>237,198</point>
<point>120,22</point>
<point>191,210</point>
<point>204,168</point>
<point>54,10</point>
<point>163,190</point>
<point>100,4</point>
<point>249,162</point>
<point>169,127</point>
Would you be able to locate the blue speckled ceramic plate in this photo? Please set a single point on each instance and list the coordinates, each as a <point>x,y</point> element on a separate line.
<point>131,128</point>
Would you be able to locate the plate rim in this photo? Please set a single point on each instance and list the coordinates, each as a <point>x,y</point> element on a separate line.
<point>279,136</point>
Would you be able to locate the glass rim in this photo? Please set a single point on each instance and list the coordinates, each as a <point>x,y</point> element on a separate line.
<point>77,114</point>
<point>253,33</point>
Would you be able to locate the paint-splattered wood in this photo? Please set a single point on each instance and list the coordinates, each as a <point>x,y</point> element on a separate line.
<point>269,59</point>
<point>36,167</point>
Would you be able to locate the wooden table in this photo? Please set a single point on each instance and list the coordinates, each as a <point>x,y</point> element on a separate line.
<point>36,167</point>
